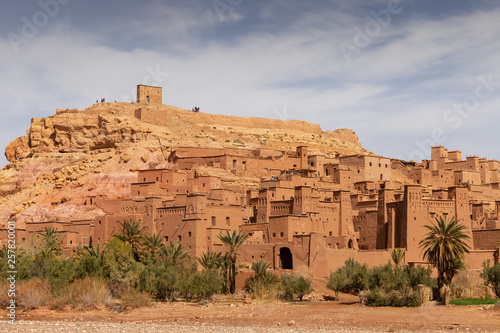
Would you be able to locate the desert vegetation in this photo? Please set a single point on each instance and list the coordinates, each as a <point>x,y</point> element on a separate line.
<point>388,285</point>
<point>134,269</point>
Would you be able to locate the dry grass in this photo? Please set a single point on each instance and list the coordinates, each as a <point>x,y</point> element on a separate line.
<point>266,294</point>
<point>135,299</point>
<point>469,284</point>
<point>4,289</point>
<point>33,293</point>
<point>89,293</point>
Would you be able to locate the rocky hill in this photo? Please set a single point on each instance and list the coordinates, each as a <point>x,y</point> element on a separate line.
<point>96,152</point>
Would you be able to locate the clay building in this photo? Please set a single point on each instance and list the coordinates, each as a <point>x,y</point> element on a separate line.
<point>149,94</point>
<point>315,212</point>
<point>308,212</point>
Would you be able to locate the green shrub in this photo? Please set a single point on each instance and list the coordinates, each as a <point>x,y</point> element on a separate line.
<point>295,285</point>
<point>352,277</point>
<point>60,273</point>
<point>337,281</point>
<point>122,270</point>
<point>389,277</point>
<point>160,281</point>
<point>204,284</point>
<point>386,285</point>
<point>491,276</point>
<point>395,298</point>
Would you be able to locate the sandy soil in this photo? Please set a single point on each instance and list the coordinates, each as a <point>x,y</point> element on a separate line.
<point>234,316</point>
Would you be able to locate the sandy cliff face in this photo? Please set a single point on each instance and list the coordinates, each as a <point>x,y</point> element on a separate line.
<point>74,154</point>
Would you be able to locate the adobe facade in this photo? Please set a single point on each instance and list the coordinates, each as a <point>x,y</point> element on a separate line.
<point>149,94</point>
<point>309,212</point>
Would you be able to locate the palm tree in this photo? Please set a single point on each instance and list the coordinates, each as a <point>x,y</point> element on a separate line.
<point>50,241</point>
<point>444,246</point>
<point>233,242</point>
<point>91,260</point>
<point>133,233</point>
<point>152,245</point>
<point>397,256</point>
<point>260,267</point>
<point>175,253</point>
<point>210,260</point>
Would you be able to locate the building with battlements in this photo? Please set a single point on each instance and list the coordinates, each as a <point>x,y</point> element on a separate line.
<point>308,212</point>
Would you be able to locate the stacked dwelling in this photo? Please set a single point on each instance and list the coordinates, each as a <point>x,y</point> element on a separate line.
<point>313,212</point>
<point>310,213</point>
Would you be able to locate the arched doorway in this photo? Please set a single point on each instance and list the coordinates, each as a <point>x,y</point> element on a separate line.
<point>350,244</point>
<point>286,258</point>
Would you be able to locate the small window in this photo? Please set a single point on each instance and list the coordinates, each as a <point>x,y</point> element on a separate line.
<point>281,234</point>
<point>274,234</point>
<point>156,178</point>
<point>213,221</point>
<point>228,220</point>
<point>386,165</point>
<point>189,233</point>
<point>330,233</point>
<point>370,163</point>
<point>203,185</point>
<point>144,179</point>
<point>166,238</point>
<point>379,165</point>
<point>180,238</point>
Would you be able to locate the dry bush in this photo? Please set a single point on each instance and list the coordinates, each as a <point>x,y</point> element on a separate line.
<point>469,284</point>
<point>135,299</point>
<point>33,293</point>
<point>89,293</point>
<point>4,290</point>
<point>265,293</point>
<point>59,302</point>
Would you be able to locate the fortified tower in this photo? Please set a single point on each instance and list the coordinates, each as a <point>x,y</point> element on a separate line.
<point>302,200</point>
<point>412,229</point>
<point>149,94</point>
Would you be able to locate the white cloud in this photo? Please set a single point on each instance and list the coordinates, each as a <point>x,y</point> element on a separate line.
<point>396,89</point>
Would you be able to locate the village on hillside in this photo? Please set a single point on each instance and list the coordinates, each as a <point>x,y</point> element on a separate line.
<point>309,213</point>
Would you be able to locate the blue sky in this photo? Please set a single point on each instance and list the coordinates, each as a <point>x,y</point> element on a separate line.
<point>403,75</point>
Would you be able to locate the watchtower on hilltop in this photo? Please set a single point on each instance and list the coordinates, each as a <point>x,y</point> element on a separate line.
<point>149,94</point>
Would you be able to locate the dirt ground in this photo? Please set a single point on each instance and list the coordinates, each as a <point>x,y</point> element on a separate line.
<point>234,315</point>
